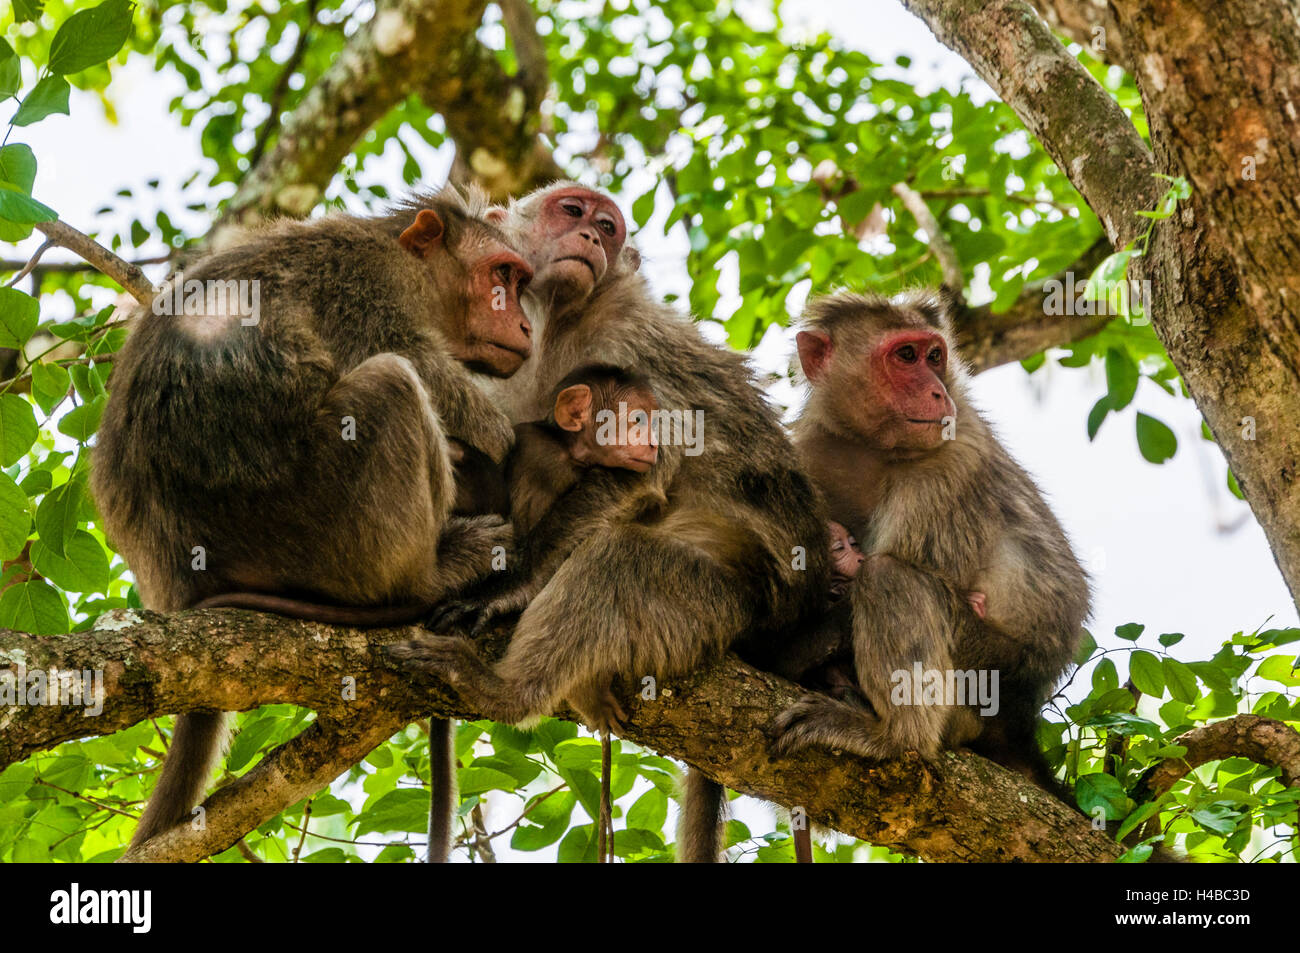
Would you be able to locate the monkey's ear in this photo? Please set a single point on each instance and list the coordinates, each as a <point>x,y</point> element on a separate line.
<point>424,234</point>
<point>573,407</point>
<point>814,353</point>
<point>496,215</point>
<point>631,258</point>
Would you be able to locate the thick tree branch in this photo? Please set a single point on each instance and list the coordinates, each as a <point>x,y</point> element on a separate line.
<point>1262,740</point>
<point>1080,20</point>
<point>1080,126</point>
<point>495,118</point>
<point>959,807</point>
<point>988,340</point>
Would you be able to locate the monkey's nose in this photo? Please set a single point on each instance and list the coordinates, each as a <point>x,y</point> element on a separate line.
<point>589,235</point>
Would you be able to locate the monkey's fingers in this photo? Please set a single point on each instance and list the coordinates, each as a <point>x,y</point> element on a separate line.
<point>799,726</point>
<point>446,656</point>
<point>614,713</point>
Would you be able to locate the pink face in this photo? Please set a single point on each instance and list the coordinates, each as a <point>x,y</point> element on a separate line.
<point>497,336</point>
<point>910,366</point>
<point>577,235</point>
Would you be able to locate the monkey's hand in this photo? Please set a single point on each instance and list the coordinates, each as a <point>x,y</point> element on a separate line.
<point>454,661</point>
<point>819,720</point>
<point>478,613</point>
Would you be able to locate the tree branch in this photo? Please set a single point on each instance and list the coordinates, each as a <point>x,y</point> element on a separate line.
<point>1258,739</point>
<point>1025,329</point>
<point>959,807</point>
<point>129,276</point>
<point>1080,20</point>
<point>1080,126</point>
<point>934,236</point>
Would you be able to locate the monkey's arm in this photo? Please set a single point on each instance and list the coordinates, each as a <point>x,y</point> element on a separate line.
<point>466,413</point>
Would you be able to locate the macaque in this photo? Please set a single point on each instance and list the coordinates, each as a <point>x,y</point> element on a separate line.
<point>846,559</point>
<point>966,570</point>
<point>739,546</point>
<point>602,416</point>
<point>296,457</point>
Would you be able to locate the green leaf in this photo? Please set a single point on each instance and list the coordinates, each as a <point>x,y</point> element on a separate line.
<point>1181,681</point>
<point>15,520</point>
<point>1138,815</point>
<point>1170,638</point>
<point>1097,415</point>
<point>57,516</point>
<point>1101,790</point>
<point>1144,669</point>
<point>1280,668</point>
<point>545,823</point>
<point>1156,441</point>
<point>50,383</point>
<point>17,428</point>
<point>34,607</point>
<point>49,96</point>
<point>1130,631</point>
<point>650,811</point>
<point>20,208</point>
<point>82,568</point>
<point>1121,378</point>
<point>19,314</point>
<point>1104,677</point>
<point>474,780</point>
<point>11,73</point>
<point>80,423</point>
<point>18,166</point>
<point>406,809</point>
<point>90,37</point>
<point>27,11</point>
<point>250,739</point>
<point>1233,486</point>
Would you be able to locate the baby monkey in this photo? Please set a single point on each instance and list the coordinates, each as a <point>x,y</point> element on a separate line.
<point>602,416</point>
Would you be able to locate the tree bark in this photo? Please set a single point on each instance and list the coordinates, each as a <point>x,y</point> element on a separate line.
<point>956,808</point>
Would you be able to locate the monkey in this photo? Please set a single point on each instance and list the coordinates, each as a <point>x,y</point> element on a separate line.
<point>740,548</point>
<point>296,456</point>
<point>601,416</point>
<point>846,558</point>
<point>966,566</point>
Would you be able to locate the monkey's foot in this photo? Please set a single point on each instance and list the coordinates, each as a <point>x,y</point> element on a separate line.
<point>599,708</point>
<point>455,661</point>
<point>819,720</point>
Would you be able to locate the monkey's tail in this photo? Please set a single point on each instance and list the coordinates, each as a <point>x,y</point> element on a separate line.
<point>442,789</point>
<point>197,743</point>
<point>699,840</point>
<point>358,616</point>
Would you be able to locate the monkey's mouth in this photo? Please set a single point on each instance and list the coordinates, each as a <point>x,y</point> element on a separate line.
<point>914,420</point>
<point>590,267</point>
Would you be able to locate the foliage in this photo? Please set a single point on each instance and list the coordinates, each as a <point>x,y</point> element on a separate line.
<point>778,158</point>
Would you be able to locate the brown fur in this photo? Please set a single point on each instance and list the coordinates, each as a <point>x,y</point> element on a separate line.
<point>230,437</point>
<point>644,594</point>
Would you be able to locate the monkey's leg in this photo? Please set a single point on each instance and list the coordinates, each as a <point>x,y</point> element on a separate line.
<point>631,600</point>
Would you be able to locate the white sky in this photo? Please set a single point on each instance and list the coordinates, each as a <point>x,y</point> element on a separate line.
<point>1151,535</point>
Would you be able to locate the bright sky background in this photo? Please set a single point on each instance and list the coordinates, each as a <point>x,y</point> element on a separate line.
<point>1167,545</point>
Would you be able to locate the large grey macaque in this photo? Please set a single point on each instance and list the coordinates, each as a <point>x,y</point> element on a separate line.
<point>740,546</point>
<point>300,459</point>
<point>966,568</point>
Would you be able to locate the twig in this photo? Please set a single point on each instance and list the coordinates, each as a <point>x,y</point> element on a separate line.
<point>82,797</point>
<point>247,852</point>
<point>129,276</point>
<point>973,192</point>
<point>943,250</point>
<point>276,100</point>
<point>306,819</point>
<point>482,842</point>
<point>31,262</point>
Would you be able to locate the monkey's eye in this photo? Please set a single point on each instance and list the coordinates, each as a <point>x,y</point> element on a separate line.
<point>935,356</point>
<point>572,209</point>
<point>606,226</point>
<point>907,353</point>
<point>503,273</point>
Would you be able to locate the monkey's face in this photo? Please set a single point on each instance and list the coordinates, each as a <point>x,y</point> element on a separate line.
<point>498,336</point>
<point>846,557</point>
<point>623,438</point>
<point>890,389</point>
<point>576,236</point>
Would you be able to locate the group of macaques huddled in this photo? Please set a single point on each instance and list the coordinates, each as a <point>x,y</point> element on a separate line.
<point>415,377</point>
